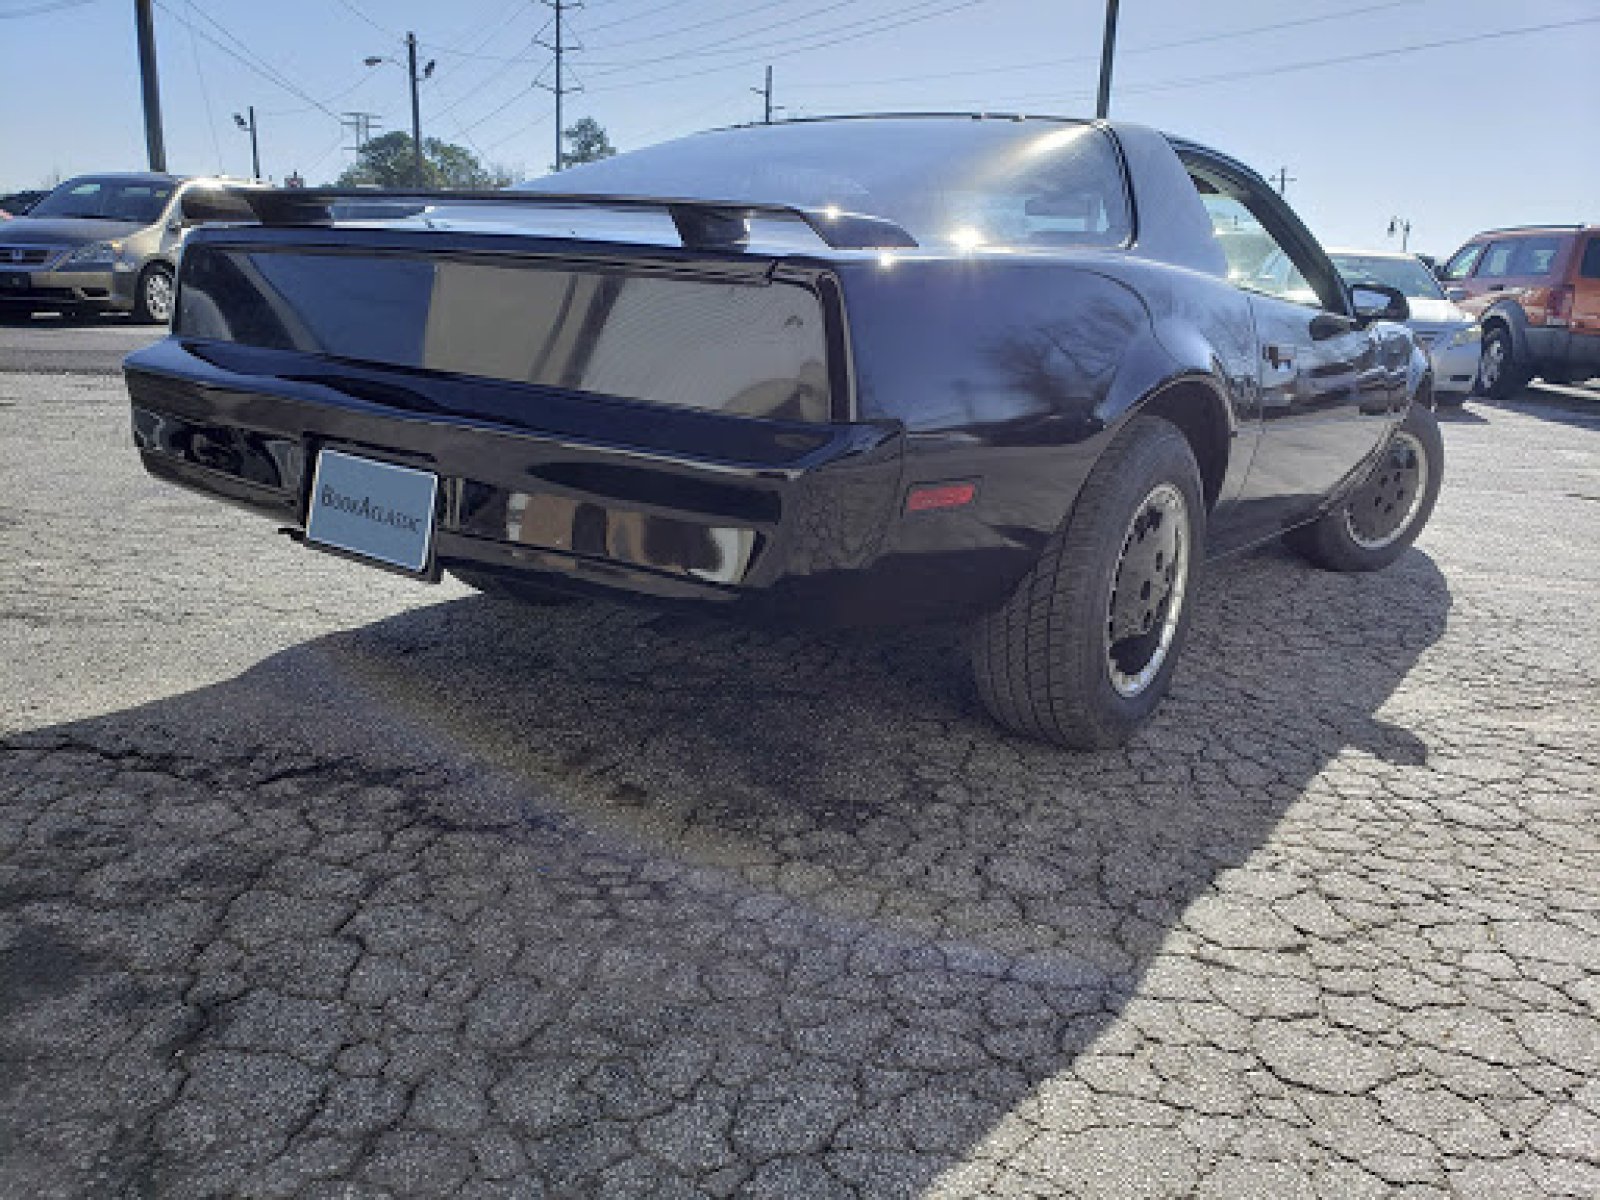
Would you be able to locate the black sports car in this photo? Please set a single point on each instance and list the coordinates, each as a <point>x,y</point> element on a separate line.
<point>1021,371</point>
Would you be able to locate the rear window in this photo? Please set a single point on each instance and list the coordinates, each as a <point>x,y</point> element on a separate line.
<point>959,182</point>
<point>1520,256</point>
<point>1591,259</point>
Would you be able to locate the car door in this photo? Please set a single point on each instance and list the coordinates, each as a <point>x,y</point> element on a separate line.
<point>1328,387</point>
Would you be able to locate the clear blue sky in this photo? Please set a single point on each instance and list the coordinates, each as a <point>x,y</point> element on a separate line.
<point>1483,131</point>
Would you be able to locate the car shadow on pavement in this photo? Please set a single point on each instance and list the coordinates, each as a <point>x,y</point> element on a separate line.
<point>608,901</point>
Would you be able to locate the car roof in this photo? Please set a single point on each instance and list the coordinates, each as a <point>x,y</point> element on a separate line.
<point>1404,254</point>
<point>132,176</point>
<point>1529,231</point>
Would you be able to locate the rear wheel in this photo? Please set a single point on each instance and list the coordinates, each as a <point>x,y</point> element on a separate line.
<point>1083,651</point>
<point>1380,519</point>
<point>512,588</point>
<point>1500,375</point>
<point>152,297</point>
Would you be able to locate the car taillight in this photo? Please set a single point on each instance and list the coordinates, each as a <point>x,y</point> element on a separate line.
<point>1558,306</point>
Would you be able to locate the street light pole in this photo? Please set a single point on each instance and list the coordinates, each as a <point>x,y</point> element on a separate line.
<point>255,148</point>
<point>416,110</point>
<point>1108,46</point>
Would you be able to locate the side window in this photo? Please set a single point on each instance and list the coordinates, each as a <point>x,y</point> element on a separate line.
<point>1462,262</point>
<point>1535,255</point>
<point>1591,259</point>
<point>1257,261</point>
<point>1497,260</point>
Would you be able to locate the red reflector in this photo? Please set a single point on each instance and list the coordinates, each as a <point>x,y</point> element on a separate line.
<point>940,495</point>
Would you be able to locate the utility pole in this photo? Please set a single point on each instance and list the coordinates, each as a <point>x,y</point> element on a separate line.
<point>255,148</point>
<point>1283,180</point>
<point>360,125</point>
<point>155,144</point>
<point>767,107</point>
<point>416,109</point>
<point>560,49</point>
<point>1108,47</point>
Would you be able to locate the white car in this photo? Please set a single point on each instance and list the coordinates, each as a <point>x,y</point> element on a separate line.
<point>1447,332</point>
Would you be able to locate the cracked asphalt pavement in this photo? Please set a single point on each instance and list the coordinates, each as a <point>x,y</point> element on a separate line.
<point>315,882</point>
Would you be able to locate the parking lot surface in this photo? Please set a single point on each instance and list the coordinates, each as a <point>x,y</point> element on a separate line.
<point>316,882</point>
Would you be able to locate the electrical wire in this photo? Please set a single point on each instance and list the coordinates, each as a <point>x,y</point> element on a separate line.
<point>260,66</point>
<point>1052,63</point>
<point>205,92</point>
<point>48,6</point>
<point>783,54</point>
<point>1336,60</point>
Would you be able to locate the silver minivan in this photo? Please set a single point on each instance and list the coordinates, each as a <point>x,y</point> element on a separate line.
<point>98,242</point>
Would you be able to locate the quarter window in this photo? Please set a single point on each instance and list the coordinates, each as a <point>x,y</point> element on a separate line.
<point>1591,259</point>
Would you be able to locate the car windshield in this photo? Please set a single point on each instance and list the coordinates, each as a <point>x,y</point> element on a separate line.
<point>947,181</point>
<point>1407,274</point>
<point>107,200</point>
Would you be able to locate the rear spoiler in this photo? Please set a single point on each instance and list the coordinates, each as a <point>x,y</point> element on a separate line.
<point>701,224</point>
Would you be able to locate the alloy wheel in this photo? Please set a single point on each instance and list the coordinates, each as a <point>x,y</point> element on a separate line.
<point>158,295</point>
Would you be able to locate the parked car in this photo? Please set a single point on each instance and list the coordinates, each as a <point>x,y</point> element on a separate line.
<point>17,204</point>
<point>1450,335</point>
<point>98,242</point>
<point>1536,289</point>
<point>880,369</point>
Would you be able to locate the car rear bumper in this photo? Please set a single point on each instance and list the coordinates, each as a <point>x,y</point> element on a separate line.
<point>587,493</point>
<point>1564,349</point>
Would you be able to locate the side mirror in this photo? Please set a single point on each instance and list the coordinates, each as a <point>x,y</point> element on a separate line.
<point>1377,302</point>
<point>1455,294</point>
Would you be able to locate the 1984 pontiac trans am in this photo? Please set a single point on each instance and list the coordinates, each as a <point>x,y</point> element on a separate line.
<point>1023,372</point>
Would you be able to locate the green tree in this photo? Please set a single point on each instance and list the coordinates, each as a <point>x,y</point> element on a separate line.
<point>586,142</point>
<point>386,162</point>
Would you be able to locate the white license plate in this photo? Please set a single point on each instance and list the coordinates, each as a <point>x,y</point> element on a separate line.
<point>374,509</point>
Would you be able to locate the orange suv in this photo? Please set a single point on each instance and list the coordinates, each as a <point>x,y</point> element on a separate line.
<point>1536,291</point>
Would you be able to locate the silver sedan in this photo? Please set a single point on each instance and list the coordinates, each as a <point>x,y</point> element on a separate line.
<point>1448,333</point>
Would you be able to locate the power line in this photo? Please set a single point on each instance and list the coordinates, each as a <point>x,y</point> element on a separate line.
<point>260,66</point>
<point>1070,60</point>
<point>350,6</point>
<point>1339,60</point>
<point>679,30</point>
<point>830,41</point>
<point>205,92</point>
<point>649,12</point>
<point>736,43</point>
<point>48,6</point>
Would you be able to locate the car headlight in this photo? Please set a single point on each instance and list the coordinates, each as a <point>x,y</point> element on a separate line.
<point>94,252</point>
<point>1472,333</point>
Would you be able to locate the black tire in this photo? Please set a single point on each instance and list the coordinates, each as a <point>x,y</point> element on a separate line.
<point>1500,375</point>
<point>512,588</point>
<point>1356,536</point>
<point>1045,661</point>
<point>153,294</point>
